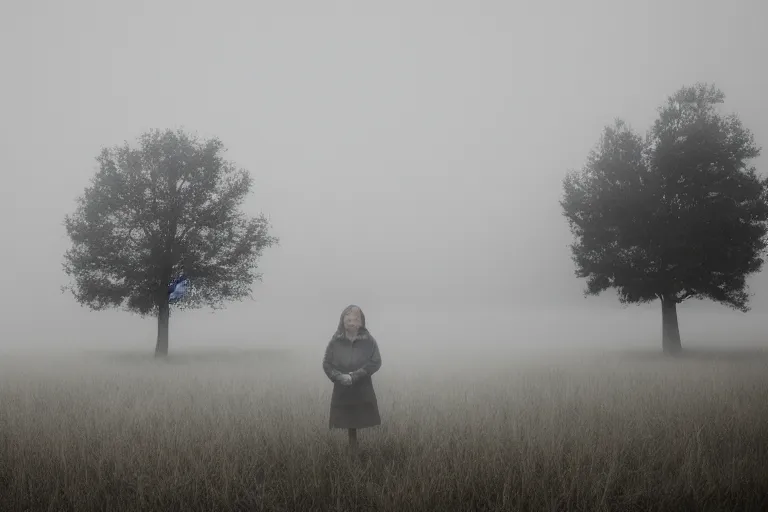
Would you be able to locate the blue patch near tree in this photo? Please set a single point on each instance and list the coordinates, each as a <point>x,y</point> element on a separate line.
<point>177,289</point>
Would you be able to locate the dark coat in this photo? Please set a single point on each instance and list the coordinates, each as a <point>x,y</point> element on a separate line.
<point>353,406</point>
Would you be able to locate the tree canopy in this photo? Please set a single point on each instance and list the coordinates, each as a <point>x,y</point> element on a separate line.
<point>170,204</point>
<point>674,215</point>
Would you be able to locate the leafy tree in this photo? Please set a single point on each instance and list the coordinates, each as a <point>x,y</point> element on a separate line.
<point>676,215</point>
<point>171,204</point>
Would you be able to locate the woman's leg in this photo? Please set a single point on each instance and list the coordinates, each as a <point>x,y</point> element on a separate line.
<point>353,438</point>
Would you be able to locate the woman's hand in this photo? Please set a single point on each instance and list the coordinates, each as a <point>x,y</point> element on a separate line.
<point>345,379</point>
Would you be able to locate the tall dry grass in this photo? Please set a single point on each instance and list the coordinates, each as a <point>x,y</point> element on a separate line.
<point>250,433</point>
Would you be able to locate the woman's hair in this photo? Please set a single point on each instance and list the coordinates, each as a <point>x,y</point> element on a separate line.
<point>340,329</point>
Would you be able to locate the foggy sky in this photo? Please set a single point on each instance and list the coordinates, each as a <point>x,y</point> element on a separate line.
<point>408,153</point>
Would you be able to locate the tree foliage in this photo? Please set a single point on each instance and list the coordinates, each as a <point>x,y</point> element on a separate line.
<point>171,203</point>
<point>677,214</point>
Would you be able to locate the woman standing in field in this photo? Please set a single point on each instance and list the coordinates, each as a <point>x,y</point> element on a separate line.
<point>351,357</point>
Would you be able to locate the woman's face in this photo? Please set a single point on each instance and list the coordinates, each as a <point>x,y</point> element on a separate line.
<point>352,321</point>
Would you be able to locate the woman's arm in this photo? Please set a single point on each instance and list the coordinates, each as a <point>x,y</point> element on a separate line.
<point>371,366</point>
<point>328,366</point>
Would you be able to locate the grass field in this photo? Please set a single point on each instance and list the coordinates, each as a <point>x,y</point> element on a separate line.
<point>248,431</point>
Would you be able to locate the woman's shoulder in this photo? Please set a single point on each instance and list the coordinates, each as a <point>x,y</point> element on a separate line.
<point>369,337</point>
<point>336,338</point>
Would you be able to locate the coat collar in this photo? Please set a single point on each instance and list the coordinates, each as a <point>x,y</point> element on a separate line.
<point>363,335</point>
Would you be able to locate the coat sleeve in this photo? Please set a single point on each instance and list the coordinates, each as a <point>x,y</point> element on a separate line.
<point>328,365</point>
<point>371,366</point>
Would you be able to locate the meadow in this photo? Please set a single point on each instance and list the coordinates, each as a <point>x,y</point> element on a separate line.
<point>235,430</point>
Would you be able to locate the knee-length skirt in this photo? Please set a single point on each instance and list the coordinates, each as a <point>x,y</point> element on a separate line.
<point>361,415</point>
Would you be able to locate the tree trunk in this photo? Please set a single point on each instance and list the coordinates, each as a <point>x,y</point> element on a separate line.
<point>670,330</point>
<point>163,317</point>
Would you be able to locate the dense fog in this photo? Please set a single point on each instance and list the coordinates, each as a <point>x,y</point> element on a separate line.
<point>409,156</point>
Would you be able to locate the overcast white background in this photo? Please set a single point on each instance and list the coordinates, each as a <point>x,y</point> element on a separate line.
<point>409,154</point>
